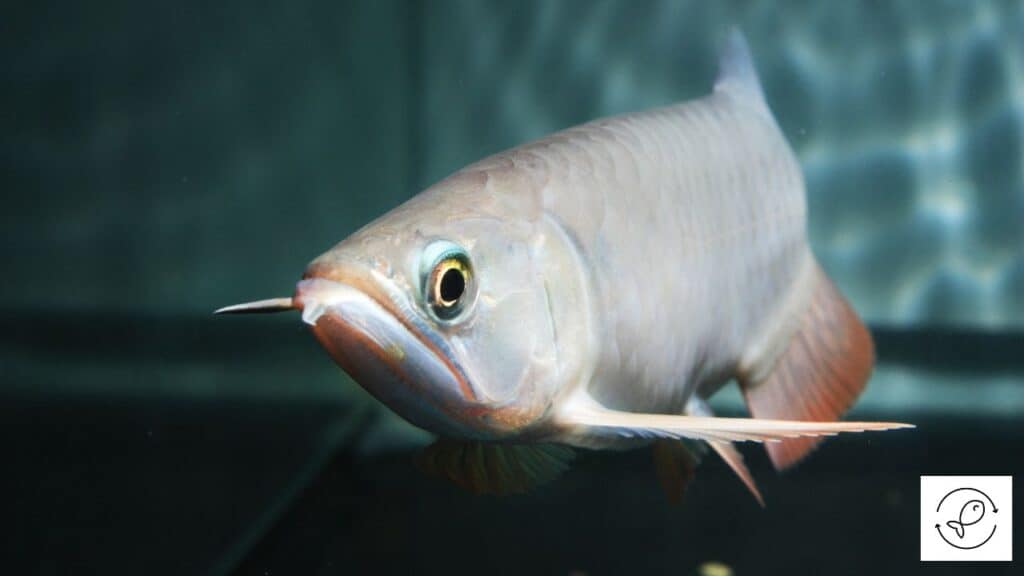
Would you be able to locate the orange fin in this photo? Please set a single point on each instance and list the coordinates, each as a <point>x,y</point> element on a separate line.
<point>819,374</point>
<point>675,465</point>
<point>492,468</point>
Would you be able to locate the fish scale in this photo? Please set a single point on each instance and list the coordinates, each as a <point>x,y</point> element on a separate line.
<point>695,221</point>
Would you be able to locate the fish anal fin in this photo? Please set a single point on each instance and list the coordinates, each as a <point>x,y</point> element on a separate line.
<point>494,468</point>
<point>818,375</point>
<point>675,466</point>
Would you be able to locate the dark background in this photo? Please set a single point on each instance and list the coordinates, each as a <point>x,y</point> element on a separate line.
<point>160,161</point>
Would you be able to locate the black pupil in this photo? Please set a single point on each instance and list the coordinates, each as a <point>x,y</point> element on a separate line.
<point>452,285</point>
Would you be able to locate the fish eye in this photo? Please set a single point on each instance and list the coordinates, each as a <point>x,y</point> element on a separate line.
<point>447,279</point>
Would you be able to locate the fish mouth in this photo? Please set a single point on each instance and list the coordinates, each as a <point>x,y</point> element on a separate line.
<point>396,356</point>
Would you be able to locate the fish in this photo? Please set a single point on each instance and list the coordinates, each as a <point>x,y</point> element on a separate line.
<point>591,290</point>
<point>970,514</point>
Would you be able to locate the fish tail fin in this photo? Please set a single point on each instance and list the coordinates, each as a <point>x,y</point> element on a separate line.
<point>815,367</point>
<point>957,527</point>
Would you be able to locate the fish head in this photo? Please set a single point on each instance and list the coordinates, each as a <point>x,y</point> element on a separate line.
<point>453,310</point>
<point>972,512</point>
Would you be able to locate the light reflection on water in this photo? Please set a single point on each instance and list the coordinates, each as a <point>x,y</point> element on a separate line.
<point>908,121</point>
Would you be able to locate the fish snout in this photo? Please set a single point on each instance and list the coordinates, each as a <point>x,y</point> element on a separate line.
<point>364,334</point>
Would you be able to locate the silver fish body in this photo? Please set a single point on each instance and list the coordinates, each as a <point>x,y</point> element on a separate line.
<point>690,220</point>
<point>594,287</point>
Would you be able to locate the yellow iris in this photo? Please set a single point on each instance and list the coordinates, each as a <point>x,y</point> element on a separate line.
<point>448,282</point>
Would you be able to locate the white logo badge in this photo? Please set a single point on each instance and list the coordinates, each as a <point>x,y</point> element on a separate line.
<point>967,518</point>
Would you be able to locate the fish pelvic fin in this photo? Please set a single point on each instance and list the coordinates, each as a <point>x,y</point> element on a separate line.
<point>957,527</point>
<point>675,465</point>
<point>494,468</point>
<point>727,451</point>
<point>813,369</point>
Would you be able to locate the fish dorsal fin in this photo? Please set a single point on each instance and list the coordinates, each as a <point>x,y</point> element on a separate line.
<point>493,468</point>
<point>737,76</point>
<point>812,370</point>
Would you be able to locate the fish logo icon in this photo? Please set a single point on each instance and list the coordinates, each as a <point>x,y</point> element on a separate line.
<point>966,518</point>
<point>973,525</point>
<point>972,513</point>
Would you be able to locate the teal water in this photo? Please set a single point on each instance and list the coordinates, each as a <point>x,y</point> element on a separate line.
<point>161,161</point>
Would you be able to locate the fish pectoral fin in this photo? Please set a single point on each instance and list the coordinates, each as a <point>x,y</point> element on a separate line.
<point>957,527</point>
<point>493,468</point>
<point>582,420</point>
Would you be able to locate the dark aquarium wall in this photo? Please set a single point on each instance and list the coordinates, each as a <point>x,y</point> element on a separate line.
<point>161,160</point>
